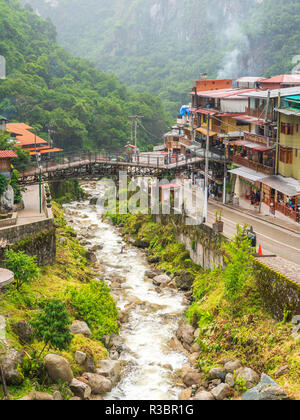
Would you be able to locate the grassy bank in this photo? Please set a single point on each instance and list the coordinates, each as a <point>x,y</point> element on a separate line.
<point>71,280</point>
<point>227,307</point>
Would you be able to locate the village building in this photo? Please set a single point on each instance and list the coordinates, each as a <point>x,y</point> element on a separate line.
<point>29,141</point>
<point>280,82</point>
<point>5,162</point>
<point>3,122</point>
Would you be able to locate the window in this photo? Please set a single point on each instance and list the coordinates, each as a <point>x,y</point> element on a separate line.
<point>287,129</point>
<point>286,156</point>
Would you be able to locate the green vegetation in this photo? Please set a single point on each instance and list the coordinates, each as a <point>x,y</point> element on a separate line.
<point>46,302</point>
<point>163,46</point>
<point>23,266</point>
<point>96,307</point>
<point>51,326</point>
<point>46,86</point>
<point>3,184</point>
<point>14,182</point>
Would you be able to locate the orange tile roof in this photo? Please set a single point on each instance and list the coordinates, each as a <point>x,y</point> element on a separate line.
<point>24,136</point>
<point>4,154</point>
<point>43,151</point>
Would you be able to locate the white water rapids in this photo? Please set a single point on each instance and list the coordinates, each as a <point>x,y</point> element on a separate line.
<point>152,323</point>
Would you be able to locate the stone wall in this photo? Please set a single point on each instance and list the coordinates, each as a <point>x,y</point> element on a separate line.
<point>38,238</point>
<point>280,294</point>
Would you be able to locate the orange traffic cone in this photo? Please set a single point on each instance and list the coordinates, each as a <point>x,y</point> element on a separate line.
<point>260,253</point>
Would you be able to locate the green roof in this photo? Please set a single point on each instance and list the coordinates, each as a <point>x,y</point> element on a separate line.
<point>3,118</point>
<point>292,98</point>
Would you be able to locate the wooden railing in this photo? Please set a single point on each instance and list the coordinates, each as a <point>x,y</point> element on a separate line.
<point>239,160</point>
<point>256,138</point>
<point>259,113</point>
<point>288,212</point>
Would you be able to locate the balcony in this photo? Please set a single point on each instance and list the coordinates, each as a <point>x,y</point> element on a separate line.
<point>260,113</point>
<point>258,167</point>
<point>256,138</point>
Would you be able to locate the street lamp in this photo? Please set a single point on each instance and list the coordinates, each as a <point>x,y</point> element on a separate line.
<point>38,158</point>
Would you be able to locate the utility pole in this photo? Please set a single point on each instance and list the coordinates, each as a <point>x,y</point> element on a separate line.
<point>135,119</point>
<point>205,215</point>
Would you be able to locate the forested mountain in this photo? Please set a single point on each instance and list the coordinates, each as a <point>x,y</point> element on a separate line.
<point>46,86</point>
<point>163,45</point>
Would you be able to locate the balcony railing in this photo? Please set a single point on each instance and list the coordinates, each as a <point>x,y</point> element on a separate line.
<point>259,113</point>
<point>258,167</point>
<point>256,138</point>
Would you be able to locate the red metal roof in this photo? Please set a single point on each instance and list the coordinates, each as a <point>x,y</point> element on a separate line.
<point>284,78</point>
<point>5,154</point>
<point>43,151</point>
<point>224,93</point>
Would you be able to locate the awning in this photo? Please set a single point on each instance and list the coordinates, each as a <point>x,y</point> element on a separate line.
<point>287,186</point>
<point>251,145</point>
<point>205,112</point>
<point>204,131</point>
<point>249,174</point>
<point>250,120</point>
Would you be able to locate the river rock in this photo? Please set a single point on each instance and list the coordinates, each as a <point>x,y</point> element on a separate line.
<point>184,281</point>
<point>151,274</point>
<point>215,373</point>
<point>161,280</point>
<point>110,369</point>
<point>91,257</point>
<point>24,331</point>
<point>80,389</point>
<point>204,396</point>
<point>89,364</point>
<point>98,384</point>
<point>58,368</point>
<point>186,334</point>
<point>57,396</point>
<point>176,345</point>
<point>80,327</point>
<point>94,200</point>
<point>192,378</point>
<point>186,394</point>
<point>249,376</point>
<point>232,366</point>
<point>10,365</point>
<point>141,243</point>
<point>229,380</point>
<point>7,200</point>
<point>38,396</point>
<point>193,359</point>
<point>266,390</point>
<point>80,357</point>
<point>221,392</point>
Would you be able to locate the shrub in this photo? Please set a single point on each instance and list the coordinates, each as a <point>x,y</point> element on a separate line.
<point>16,187</point>
<point>3,184</point>
<point>51,326</point>
<point>23,266</point>
<point>96,307</point>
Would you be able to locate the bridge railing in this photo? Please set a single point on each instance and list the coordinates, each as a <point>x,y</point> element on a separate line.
<point>65,160</point>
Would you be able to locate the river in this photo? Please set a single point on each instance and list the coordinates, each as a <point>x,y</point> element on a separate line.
<point>150,369</point>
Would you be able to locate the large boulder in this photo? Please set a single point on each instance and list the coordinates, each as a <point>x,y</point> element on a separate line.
<point>192,378</point>
<point>110,369</point>
<point>184,281</point>
<point>80,389</point>
<point>249,376</point>
<point>204,396</point>
<point>161,280</point>
<point>58,368</point>
<point>98,384</point>
<point>266,390</point>
<point>232,366</point>
<point>80,327</point>
<point>221,392</point>
<point>186,334</point>
<point>24,331</point>
<point>80,357</point>
<point>7,200</point>
<point>10,365</point>
<point>216,373</point>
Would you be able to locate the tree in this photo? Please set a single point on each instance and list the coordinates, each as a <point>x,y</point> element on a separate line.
<point>3,184</point>
<point>51,326</point>
<point>14,182</point>
<point>23,266</point>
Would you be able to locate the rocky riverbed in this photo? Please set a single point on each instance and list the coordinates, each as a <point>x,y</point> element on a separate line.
<point>151,308</point>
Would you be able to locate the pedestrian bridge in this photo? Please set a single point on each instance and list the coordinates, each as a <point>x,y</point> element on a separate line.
<point>84,164</point>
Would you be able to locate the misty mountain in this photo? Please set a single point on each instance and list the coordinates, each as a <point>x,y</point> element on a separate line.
<point>163,45</point>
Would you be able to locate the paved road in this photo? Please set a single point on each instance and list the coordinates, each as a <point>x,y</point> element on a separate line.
<point>274,240</point>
